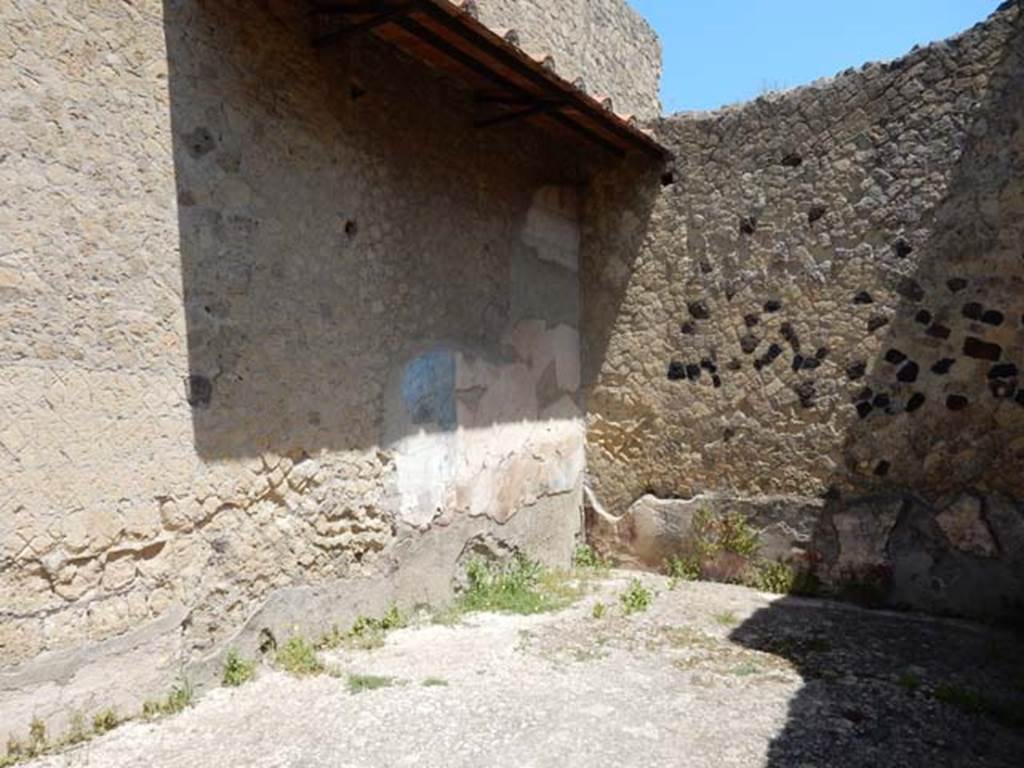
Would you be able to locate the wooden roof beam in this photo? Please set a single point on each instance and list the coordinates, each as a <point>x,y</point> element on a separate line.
<point>365,25</point>
<point>457,54</point>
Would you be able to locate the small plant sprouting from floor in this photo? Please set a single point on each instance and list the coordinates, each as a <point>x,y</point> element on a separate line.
<point>366,633</point>
<point>680,569</point>
<point>598,611</point>
<point>519,586</point>
<point>636,598</point>
<point>965,699</point>
<point>586,557</point>
<point>773,576</point>
<point>746,669</point>
<point>77,732</point>
<point>298,657</point>
<point>362,683</point>
<point>729,533</point>
<point>434,682</point>
<point>237,671</point>
<point>909,681</point>
<point>726,619</point>
<point>104,721</point>
<point>36,737</point>
<point>180,698</point>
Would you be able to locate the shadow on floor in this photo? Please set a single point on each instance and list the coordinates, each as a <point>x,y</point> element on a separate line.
<point>886,689</point>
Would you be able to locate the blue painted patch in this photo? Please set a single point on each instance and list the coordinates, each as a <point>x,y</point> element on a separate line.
<point>428,389</point>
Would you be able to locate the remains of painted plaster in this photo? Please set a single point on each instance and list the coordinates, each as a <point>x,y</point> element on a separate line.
<point>285,337</point>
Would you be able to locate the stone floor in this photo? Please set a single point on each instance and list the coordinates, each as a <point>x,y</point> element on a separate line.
<point>710,675</point>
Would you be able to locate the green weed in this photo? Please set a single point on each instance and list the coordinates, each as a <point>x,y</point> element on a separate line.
<point>361,683</point>
<point>964,699</point>
<point>366,633</point>
<point>910,681</point>
<point>726,619</point>
<point>520,586</point>
<point>104,721</point>
<point>237,671</point>
<point>773,576</point>
<point>77,732</point>
<point>636,598</point>
<point>681,569</point>
<point>434,682</point>
<point>598,610</point>
<point>298,657</point>
<point>180,698</point>
<point>586,557</point>
<point>723,533</point>
<point>36,737</point>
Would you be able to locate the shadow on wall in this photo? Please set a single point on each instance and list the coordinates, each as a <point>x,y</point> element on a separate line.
<point>887,690</point>
<point>938,445</point>
<point>339,218</point>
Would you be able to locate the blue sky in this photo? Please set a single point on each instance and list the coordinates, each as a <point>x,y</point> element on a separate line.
<point>723,51</point>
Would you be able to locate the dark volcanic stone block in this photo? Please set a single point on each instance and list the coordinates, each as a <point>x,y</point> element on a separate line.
<point>908,373</point>
<point>973,310</point>
<point>916,401</point>
<point>982,350</point>
<point>938,331</point>
<point>676,371</point>
<point>895,357</point>
<point>910,289</point>
<point>943,366</point>
<point>698,310</point>
<point>856,371</point>
<point>992,317</point>
<point>1003,371</point>
<point>863,297</point>
<point>902,248</point>
<point>956,402</point>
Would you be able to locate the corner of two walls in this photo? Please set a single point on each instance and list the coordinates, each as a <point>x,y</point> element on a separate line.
<point>820,324</point>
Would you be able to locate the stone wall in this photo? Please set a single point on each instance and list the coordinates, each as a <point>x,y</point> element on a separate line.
<point>819,321</point>
<point>604,44</point>
<point>283,339</point>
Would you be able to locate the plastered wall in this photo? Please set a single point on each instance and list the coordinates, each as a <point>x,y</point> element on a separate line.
<point>283,339</point>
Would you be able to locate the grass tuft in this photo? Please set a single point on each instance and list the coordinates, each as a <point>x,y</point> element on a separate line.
<point>104,721</point>
<point>434,682</point>
<point>520,586</point>
<point>362,683</point>
<point>586,557</point>
<point>298,657</point>
<point>636,598</point>
<point>180,698</point>
<point>366,633</point>
<point>237,671</point>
